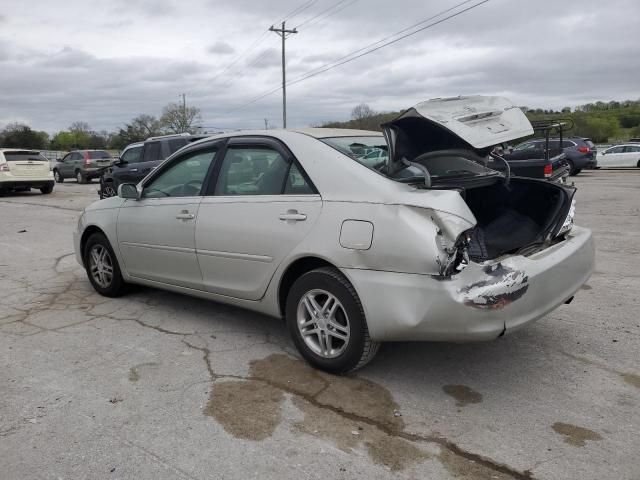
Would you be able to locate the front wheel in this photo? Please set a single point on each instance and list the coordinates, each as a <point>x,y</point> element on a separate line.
<point>327,322</point>
<point>107,190</point>
<point>57,177</point>
<point>102,266</point>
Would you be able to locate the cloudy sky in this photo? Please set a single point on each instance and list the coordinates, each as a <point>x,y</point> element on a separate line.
<point>104,62</point>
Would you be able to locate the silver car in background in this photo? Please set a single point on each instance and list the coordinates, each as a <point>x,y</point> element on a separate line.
<point>353,237</point>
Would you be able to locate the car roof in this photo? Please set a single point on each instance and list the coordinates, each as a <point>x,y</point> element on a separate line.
<point>336,132</point>
<point>20,150</point>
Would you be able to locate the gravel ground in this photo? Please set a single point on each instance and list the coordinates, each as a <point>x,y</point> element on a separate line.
<point>160,386</point>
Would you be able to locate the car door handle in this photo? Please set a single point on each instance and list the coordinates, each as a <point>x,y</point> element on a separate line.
<point>293,215</point>
<point>185,215</point>
<point>133,170</point>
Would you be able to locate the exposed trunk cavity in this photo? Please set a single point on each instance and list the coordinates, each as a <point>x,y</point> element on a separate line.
<point>515,218</point>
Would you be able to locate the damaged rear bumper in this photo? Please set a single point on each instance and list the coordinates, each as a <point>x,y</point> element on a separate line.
<point>481,302</point>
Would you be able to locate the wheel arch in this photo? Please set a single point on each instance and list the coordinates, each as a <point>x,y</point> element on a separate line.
<point>295,270</point>
<point>90,230</point>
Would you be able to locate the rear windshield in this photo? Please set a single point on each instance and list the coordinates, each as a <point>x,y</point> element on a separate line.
<point>589,143</point>
<point>97,154</point>
<point>24,155</point>
<point>372,152</point>
<point>369,151</point>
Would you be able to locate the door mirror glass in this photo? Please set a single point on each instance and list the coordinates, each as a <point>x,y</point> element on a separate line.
<point>128,190</point>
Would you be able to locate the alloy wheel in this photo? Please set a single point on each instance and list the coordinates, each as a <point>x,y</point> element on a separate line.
<point>108,191</point>
<point>323,323</point>
<point>101,265</point>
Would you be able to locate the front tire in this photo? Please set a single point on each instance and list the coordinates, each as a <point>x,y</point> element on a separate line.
<point>102,267</point>
<point>327,323</point>
<point>57,177</point>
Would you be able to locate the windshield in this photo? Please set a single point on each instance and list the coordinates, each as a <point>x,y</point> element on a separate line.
<point>372,152</point>
<point>23,156</point>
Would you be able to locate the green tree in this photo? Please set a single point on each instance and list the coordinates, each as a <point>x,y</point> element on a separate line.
<point>17,135</point>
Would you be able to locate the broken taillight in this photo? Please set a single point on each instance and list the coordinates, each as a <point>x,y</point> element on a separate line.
<point>548,170</point>
<point>584,149</point>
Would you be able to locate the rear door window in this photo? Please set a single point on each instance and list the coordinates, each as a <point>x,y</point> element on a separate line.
<point>631,149</point>
<point>152,152</point>
<point>252,171</point>
<point>176,144</point>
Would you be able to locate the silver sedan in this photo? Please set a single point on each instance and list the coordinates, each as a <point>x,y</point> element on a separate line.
<point>425,243</point>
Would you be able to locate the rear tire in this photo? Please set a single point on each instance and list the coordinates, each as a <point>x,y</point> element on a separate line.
<point>47,189</point>
<point>80,177</point>
<point>638,165</point>
<point>57,177</point>
<point>102,267</point>
<point>336,339</point>
<point>572,168</point>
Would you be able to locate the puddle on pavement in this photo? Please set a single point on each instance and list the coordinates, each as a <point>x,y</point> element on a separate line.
<point>246,409</point>
<point>574,435</point>
<point>462,394</point>
<point>353,413</point>
<point>632,379</point>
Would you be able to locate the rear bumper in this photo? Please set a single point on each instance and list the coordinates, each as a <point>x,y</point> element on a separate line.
<point>37,182</point>
<point>481,302</point>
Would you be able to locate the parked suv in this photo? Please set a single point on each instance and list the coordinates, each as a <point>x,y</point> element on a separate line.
<point>580,152</point>
<point>138,159</point>
<point>24,170</point>
<point>83,165</point>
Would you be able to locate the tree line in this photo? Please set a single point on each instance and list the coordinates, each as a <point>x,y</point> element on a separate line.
<point>603,122</point>
<point>79,135</point>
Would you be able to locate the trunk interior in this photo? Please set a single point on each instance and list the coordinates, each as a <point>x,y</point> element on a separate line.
<point>513,217</point>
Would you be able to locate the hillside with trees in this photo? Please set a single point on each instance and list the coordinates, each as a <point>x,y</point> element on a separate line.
<point>603,122</point>
<point>79,135</point>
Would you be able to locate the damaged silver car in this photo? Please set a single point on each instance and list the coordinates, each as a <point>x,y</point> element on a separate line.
<point>353,237</point>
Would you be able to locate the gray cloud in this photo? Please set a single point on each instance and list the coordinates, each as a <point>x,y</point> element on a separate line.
<point>107,64</point>
<point>221,48</point>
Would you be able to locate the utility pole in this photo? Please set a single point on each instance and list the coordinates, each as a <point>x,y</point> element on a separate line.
<point>266,124</point>
<point>283,33</point>
<point>184,111</point>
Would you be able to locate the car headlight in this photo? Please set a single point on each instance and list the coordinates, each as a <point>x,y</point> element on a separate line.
<point>568,222</point>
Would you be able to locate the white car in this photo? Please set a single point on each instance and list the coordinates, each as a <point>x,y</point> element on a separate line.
<point>22,169</point>
<point>627,155</point>
<point>429,245</point>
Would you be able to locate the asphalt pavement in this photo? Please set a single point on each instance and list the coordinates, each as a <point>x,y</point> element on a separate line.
<point>156,385</point>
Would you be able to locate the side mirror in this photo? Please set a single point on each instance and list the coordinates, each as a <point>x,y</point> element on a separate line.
<point>128,190</point>
<point>119,162</point>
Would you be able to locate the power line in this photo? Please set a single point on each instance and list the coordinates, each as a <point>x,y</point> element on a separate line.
<point>321,13</point>
<point>389,37</point>
<point>257,41</point>
<point>298,10</point>
<point>367,50</point>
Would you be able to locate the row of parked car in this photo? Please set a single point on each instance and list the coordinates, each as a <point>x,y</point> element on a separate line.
<point>22,169</point>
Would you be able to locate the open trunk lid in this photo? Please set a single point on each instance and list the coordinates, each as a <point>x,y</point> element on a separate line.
<point>475,122</point>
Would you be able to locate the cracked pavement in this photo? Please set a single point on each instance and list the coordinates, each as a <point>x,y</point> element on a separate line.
<point>161,386</point>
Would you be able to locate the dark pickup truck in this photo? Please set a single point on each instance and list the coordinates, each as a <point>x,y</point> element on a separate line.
<point>541,157</point>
